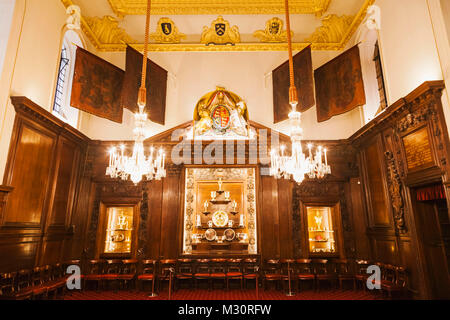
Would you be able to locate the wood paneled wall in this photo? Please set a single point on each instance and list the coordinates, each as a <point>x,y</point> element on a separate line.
<point>44,217</point>
<point>389,173</point>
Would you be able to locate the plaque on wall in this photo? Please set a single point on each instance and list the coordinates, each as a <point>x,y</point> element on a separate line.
<point>418,150</point>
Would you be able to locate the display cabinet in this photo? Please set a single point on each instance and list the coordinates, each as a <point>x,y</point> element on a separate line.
<point>117,230</point>
<point>322,229</point>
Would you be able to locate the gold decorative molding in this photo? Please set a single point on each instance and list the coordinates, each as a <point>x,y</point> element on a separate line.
<point>167,32</point>
<point>194,7</point>
<point>273,32</point>
<point>332,30</point>
<point>107,30</point>
<point>220,32</point>
<point>163,47</point>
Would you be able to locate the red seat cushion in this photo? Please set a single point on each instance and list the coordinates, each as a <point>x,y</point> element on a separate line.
<point>218,275</point>
<point>324,276</point>
<point>305,276</point>
<point>145,277</point>
<point>361,277</point>
<point>202,275</point>
<point>184,276</point>
<point>111,276</point>
<point>250,276</point>
<point>129,276</point>
<point>93,277</point>
<point>234,274</point>
<point>24,293</point>
<point>272,276</point>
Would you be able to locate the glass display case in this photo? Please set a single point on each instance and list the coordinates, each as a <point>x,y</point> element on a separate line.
<point>321,230</point>
<point>119,228</point>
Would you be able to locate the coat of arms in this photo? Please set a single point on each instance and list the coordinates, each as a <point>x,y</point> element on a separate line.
<point>167,32</point>
<point>220,32</point>
<point>273,32</point>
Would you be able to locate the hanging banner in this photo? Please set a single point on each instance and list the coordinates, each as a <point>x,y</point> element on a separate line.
<point>156,84</point>
<point>339,85</point>
<point>96,86</point>
<point>303,78</point>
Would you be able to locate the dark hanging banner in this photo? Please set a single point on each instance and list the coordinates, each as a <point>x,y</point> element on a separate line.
<point>303,73</point>
<point>339,85</point>
<point>156,84</point>
<point>96,86</point>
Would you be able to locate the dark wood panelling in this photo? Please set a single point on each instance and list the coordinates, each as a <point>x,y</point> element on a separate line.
<point>44,163</point>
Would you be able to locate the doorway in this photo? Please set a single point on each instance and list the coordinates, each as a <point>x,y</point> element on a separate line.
<point>433,227</point>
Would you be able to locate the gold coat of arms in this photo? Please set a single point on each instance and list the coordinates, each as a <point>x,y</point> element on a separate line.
<point>167,32</point>
<point>273,31</point>
<point>220,32</point>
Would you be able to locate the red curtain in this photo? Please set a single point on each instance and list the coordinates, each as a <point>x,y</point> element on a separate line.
<point>431,193</point>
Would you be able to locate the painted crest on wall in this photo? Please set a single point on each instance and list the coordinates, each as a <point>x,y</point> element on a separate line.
<point>167,32</point>
<point>220,33</point>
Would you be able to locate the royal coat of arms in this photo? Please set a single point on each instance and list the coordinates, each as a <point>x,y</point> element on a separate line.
<point>221,114</point>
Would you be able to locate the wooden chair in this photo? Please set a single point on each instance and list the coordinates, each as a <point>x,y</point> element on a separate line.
<point>234,271</point>
<point>148,273</point>
<point>7,282</point>
<point>304,272</point>
<point>250,270</point>
<point>324,272</point>
<point>345,273</point>
<point>218,269</point>
<point>57,284</point>
<point>287,273</point>
<point>94,273</point>
<point>111,273</point>
<point>202,272</point>
<point>127,273</point>
<point>361,273</point>
<point>271,273</point>
<point>23,289</point>
<point>184,271</point>
<point>399,285</point>
<point>166,273</point>
<point>37,282</point>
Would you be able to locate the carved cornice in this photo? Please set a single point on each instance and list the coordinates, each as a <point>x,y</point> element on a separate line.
<point>28,109</point>
<point>119,38</point>
<point>194,7</point>
<point>429,91</point>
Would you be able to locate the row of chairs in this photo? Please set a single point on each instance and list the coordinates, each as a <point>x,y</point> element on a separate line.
<point>50,281</point>
<point>43,282</point>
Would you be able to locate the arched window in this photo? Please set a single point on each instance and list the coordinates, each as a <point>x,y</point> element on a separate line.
<point>61,101</point>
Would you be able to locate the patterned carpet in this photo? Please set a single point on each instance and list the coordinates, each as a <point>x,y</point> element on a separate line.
<point>218,294</point>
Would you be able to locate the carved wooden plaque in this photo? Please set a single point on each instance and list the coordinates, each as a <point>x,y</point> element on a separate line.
<point>418,150</point>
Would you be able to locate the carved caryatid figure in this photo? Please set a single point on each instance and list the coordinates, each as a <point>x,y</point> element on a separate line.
<point>221,112</point>
<point>74,19</point>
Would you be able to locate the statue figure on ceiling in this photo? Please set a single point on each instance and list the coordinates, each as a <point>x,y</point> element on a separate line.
<point>221,113</point>
<point>74,19</point>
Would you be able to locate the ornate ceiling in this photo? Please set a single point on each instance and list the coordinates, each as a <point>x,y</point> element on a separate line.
<point>190,24</point>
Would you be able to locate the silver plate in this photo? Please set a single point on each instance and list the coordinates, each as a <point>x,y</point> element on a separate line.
<point>229,234</point>
<point>210,234</point>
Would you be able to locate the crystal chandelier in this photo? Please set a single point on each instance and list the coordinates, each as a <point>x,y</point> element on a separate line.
<point>138,165</point>
<point>297,165</point>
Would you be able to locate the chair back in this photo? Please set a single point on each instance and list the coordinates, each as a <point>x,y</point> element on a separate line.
<point>184,267</point>
<point>234,265</point>
<point>272,266</point>
<point>401,278</point>
<point>7,281</point>
<point>23,279</point>
<point>148,266</point>
<point>129,266</point>
<point>343,267</point>
<point>361,266</point>
<point>303,266</point>
<point>218,266</point>
<point>47,273</point>
<point>36,276</point>
<point>250,266</point>
<point>165,266</point>
<point>202,266</point>
<point>321,266</point>
<point>95,266</point>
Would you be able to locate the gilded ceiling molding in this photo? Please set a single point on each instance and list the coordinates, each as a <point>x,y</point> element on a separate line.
<point>332,30</point>
<point>194,7</point>
<point>107,30</point>
<point>167,32</point>
<point>273,32</point>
